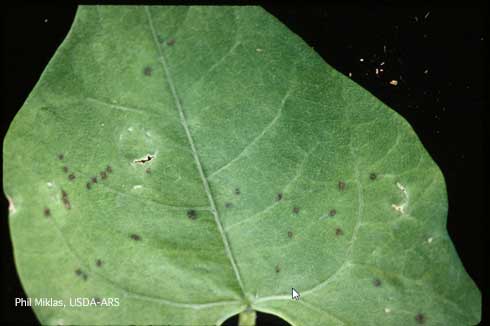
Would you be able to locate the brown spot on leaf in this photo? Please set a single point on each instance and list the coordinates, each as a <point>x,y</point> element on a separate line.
<point>420,318</point>
<point>98,262</point>
<point>47,212</point>
<point>148,171</point>
<point>377,282</point>
<point>81,274</point>
<point>279,196</point>
<point>338,232</point>
<point>237,191</point>
<point>290,234</point>
<point>135,237</point>
<point>71,177</point>
<point>278,268</point>
<point>295,210</point>
<point>192,214</point>
<point>228,205</point>
<point>147,71</point>
<point>103,175</point>
<point>61,157</point>
<point>341,185</point>
<point>171,41</point>
<point>93,179</point>
<point>332,212</point>
<point>88,185</point>
<point>109,169</point>
<point>373,176</point>
<point>65,200</point>
<point>65,169</point>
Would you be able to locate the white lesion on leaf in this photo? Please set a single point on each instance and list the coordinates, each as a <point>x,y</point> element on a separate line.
<point>401,207</point>
<point>12,208</point>
<point>145,159</point>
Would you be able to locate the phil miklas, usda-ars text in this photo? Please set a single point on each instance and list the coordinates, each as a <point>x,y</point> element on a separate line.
<point>72,302</point>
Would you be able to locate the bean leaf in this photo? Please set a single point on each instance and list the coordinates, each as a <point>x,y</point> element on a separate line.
<point>180,165</point>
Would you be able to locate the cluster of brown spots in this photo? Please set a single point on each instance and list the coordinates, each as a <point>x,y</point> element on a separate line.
<point>237,191</point>
<point>279,196</point>
<point>147,71</point>
<point>278,268</point>
<point>171,41</point>
<point>71,176</point>
<point>98,262</point>
<point>47,212</point>
<point>103,175</point>
<point>373,176</point>
<point>341,185</point>
<point>338,232</point>
<point>332,212</point>
<point>135,237</point>
<point>420,318</point>
<point>290,234</point>
<point>191,214</point>
<point>65,200</point>
<point>295,210</point>
<point>228,205</point>
<point>377,282</point>
<point>81,274</point>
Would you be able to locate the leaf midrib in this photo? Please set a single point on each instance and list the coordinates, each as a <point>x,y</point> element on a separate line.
<point>195,154</point>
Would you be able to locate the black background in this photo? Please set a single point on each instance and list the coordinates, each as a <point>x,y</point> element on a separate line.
<point>438,61</point>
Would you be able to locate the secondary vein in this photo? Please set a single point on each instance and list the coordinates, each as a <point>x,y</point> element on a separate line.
<point>197,160</point>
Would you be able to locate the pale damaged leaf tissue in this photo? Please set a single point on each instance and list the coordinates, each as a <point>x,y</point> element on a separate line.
<point>181,165</point>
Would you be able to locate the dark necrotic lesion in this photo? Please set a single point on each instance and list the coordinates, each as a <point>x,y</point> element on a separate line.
<point>192,214</point>
<point>135,237</point>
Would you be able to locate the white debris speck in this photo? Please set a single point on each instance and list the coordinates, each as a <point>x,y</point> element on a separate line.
<point>430,240</point>
<point>45,20</point>
<point>377,71</point>
<point>130,129</point>
<point>427,15</point>
<point>50,184</point>
<point>138,187</point>
<point>387,310</point>
<point>350,74</point>
<point>362,60</point>
<point>382,63</point>
<point>394,82</point>
<point>426,71</point>
<point>259,50</point>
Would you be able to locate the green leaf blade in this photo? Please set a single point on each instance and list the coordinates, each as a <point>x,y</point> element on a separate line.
<point>241,165</point>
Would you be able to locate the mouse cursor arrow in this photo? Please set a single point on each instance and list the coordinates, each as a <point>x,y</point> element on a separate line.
<point>294,294</point>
